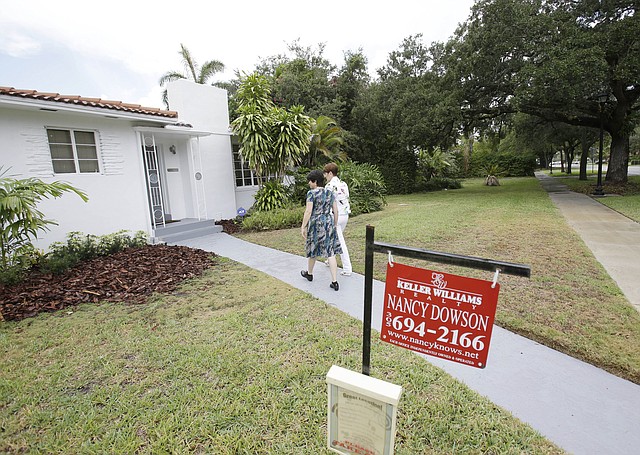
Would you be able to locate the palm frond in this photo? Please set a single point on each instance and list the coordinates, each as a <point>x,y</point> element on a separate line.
<point>171,76</point>
<point>209,69</point>
<point>189,63</point>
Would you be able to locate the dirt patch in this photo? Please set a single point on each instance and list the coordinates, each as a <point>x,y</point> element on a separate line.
<point>129,276</point>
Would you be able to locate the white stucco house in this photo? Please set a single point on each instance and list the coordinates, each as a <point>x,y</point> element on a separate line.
<point>159,171</point>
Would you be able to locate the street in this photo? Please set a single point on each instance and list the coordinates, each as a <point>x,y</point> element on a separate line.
<point>634,170</point>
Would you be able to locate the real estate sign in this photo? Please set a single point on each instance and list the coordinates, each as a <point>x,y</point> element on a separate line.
<point>439,314</point>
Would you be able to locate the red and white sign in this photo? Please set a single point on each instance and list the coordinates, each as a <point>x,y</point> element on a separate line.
<point>439,314</point>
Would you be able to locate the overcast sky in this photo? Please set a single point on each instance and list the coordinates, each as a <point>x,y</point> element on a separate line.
<point>118,50</point>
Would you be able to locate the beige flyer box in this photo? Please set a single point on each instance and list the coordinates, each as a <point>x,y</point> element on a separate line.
<point>361,413</point>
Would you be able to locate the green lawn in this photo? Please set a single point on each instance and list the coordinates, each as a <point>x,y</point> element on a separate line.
<point>569,304</point>
<point>233,362</point>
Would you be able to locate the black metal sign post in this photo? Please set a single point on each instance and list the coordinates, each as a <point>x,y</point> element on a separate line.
<point>417,253</point>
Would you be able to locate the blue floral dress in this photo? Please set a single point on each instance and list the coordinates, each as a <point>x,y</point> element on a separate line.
<point>322,237</point>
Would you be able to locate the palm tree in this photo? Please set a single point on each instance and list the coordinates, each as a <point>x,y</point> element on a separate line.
<point>326,140</point>
<point>20,220</point>
<point>199,74</point>
<point>432,163</point>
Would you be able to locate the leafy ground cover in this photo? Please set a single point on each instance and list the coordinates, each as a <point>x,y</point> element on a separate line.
<point>231,362</point>
<point>569,303</point>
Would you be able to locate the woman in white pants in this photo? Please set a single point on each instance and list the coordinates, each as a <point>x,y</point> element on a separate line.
<point>341,191</point>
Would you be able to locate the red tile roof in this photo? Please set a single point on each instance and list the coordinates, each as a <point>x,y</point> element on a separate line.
<point>89,102</point>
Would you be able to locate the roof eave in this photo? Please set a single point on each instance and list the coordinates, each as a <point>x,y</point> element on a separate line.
<point>104,112</point>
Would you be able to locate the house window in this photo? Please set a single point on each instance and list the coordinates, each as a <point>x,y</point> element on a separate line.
<point>73,151</point>
<point>244,175</point>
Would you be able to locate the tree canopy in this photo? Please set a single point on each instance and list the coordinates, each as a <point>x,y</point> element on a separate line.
<point>547,61</point>
<point>552,59</point>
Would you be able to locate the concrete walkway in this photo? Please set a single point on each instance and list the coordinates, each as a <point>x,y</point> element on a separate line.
<point>579,407</point>
<point>613,238</point>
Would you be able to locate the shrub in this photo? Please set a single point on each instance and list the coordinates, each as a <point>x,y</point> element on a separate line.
<point>271,195</point>
<point>434,163</point>
<point>80,247</point>
<point>399,173</point>
<point>367,188</point>
<point>21,221</point>
<point>24,259</point>
<point>297,190</point>
<point>508,163</point>
<point>281,218</point>
<point>439,183</point>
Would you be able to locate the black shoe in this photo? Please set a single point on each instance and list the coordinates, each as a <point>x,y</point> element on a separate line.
<point>306,274</point>
<point>334,285</point>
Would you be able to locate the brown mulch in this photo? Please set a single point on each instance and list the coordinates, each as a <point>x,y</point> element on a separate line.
<point>130,276</point>
<point>230,226</point>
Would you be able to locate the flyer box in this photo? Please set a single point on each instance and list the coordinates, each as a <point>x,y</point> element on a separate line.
<point>361,413</point>
<point>439,314</point>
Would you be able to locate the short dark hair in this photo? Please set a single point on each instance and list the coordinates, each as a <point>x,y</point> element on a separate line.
<point>316,177</point>
<point>331,167</point>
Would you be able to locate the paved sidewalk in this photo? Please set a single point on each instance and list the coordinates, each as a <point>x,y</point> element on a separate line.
<point>581,408</point>
<point>613,238</point>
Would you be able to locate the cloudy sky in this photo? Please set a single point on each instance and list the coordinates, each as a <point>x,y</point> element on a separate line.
<point>118,49</point>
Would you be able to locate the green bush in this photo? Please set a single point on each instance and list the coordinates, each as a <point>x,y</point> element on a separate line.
<point>508,163</point>
<point>80,247</point>
<point>297,190</point>
<point>21,221</point>
<point>367,188</point>
<point>26,257</point>
<point>281,218</point>
<point>399,172</point>
<point>439,183</point>
<point>271,195</point>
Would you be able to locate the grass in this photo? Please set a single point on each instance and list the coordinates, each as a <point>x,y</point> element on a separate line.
<point>233,362</point>
<point>570,303</point>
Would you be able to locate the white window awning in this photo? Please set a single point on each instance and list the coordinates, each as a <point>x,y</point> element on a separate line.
<point>171,130</point>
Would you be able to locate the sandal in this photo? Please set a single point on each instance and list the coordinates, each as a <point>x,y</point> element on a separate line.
<point>306,274</point>
<point>334,285</point>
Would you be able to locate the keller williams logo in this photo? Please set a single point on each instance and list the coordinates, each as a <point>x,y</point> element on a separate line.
<point>438,288</point>
<point>437,279</point>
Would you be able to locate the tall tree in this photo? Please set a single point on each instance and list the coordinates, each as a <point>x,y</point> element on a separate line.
<point>303,77</point>
<point>254,121</point>
<point>544,138</point>
<point>353,78</point>
<point>551,59</point>
<point>272,138</point>
<point>192,70</point>
<point>408,111</point>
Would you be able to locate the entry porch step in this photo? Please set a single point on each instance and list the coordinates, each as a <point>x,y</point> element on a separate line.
<point>185,229</point>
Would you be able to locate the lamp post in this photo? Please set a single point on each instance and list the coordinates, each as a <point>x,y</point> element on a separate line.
<point>602,100</point>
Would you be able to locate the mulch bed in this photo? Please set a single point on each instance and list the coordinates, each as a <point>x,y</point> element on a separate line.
<point>130,276</point>
<point>230,226</point>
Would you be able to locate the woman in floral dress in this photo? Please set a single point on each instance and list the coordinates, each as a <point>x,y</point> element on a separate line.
<point>319,227</point>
